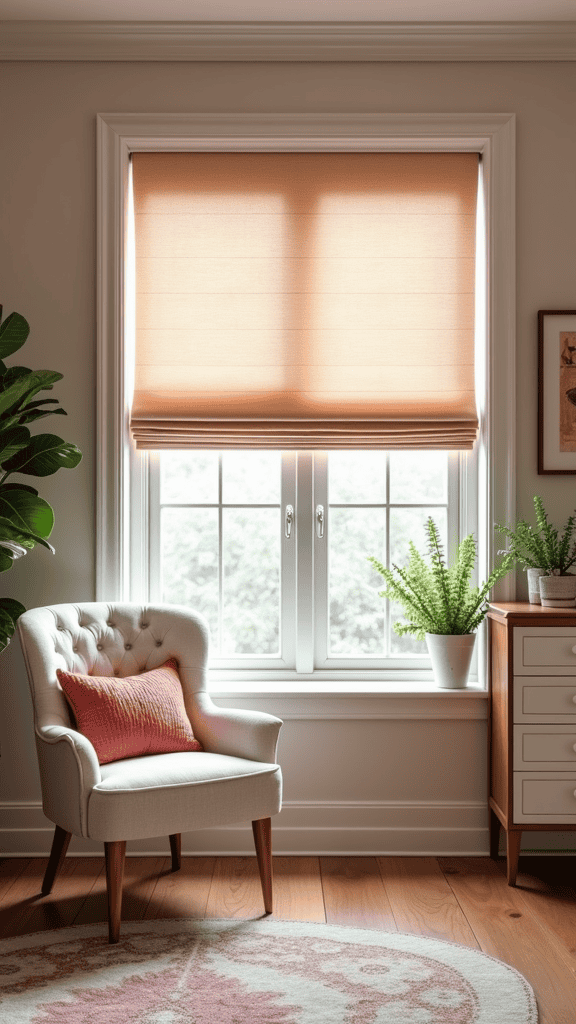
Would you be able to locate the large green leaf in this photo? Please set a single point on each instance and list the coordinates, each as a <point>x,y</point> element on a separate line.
<point>12,441</point>
<point>7,628</point>
<point>14,373</point>
<point>38,414</point>
<point>10,612</point>
<point>6,559</point>
<point>14,608</point>
<point>26,387</point>
<point>19,536</point>
<point>13,333</point>
<point>26,510</point>
<point>45,454</point>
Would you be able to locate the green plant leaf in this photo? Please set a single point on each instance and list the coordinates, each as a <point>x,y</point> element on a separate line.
<point>26,510</point>
<point>14,373</point>
<point>45,454</point>
<point>13,333</point>
<point>14,608</point>
<point>6,559</point>
<point>37,414</point>
<point>12,441</point>
<point>7,628</point>
<point>26,387</point>
<point>10,612</point>
<point>19,536</point>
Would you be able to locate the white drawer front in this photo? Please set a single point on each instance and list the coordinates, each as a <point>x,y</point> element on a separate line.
<point>545,797</point>
<point>548,649</point>
<point>545,748</point>
<point>539,699</point>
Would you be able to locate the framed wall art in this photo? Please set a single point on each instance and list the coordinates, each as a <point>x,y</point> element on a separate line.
<point>557,391</point>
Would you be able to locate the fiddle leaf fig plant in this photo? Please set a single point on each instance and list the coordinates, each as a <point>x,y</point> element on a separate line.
<point>26,519</point>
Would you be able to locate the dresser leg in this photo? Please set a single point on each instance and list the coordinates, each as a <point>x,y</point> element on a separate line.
<point>513,840</point>
<point>494,834</point>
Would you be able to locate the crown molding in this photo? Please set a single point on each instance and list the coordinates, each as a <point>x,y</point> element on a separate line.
<point>287,41</point>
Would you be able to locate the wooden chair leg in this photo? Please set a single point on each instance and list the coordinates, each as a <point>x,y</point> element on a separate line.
<point>60,845</point>
<point>115,856</point>
<point>513,840</point>
<point>176,850</point>
<point>262,829</point>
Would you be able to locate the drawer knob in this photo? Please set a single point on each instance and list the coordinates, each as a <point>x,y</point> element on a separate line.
<point>574,699</point>
<point>574,649</point>
<point>574,747</point>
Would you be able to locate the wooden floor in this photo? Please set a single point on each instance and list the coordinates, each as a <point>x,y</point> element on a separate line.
<point>465,900</point>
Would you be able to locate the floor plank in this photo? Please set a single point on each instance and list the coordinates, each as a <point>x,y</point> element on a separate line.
<point>422,901</point>
<point>297,889</point>
<point>183,893</point>
<point>10,869</point>
<point>505,928</point>
<point>235,890</point>
<point>354,894</point>
<point>141,875</point>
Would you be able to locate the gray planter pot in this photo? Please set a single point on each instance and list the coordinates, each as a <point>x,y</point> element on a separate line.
<point>451,657</point>
<point>533,584</point>
<point>558,591</point>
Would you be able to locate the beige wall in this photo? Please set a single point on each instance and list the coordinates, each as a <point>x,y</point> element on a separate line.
<point>47,272</point>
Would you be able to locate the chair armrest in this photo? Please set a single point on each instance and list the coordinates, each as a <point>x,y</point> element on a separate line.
<point>69,770</point>
<point>238,733</point>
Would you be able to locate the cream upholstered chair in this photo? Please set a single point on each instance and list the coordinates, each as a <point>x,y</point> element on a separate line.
<point>235,778</point>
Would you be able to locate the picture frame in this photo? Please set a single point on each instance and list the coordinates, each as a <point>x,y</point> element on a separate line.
<point>557,391</point>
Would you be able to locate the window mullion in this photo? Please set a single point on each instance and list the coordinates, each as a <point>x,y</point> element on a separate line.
<point>305,563</point>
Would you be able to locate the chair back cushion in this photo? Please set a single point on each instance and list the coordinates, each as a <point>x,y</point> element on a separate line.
<point>100,639</point>
<point>133,716</point>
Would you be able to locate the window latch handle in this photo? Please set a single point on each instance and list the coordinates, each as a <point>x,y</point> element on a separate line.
<point>288,520</point>
<point>320,521</point>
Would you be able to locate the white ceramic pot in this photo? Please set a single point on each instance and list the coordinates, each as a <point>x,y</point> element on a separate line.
<point>533,584</point>
<point>451,657</point>
<point>558,591</point>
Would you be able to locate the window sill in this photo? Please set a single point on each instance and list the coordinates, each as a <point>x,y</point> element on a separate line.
<point>343,699</point>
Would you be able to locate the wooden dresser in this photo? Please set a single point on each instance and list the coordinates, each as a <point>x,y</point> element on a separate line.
<point>531,723</point>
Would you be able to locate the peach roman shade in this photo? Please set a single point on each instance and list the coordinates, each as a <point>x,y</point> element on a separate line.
<point>304,300</point>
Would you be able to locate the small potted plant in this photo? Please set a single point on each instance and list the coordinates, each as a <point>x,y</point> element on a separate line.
<point>441,605</point>
<point>547,554</point>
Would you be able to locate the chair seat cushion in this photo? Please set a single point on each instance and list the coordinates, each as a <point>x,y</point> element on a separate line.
<point>130,716</point>
<point>167,793</point>
<point>180,769</point>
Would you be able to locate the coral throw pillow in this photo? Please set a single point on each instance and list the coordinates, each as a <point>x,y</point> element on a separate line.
<point>130,716</point>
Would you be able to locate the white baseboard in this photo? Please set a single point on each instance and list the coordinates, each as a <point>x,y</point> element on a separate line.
<point>337,828</point>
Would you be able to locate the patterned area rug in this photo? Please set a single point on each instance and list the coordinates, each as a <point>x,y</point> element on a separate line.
<point>253,972</point>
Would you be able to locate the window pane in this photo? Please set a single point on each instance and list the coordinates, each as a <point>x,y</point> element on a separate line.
<point>356,612</point>
<point>407,524</point>
<point>357,478</point>
<point>418,476</point>
<point>190,561</point>
<point>189,477</point>
<point>251,478</point>
<point>251,584</point>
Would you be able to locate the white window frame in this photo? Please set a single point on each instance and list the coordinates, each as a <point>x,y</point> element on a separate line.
<point>122,484</point>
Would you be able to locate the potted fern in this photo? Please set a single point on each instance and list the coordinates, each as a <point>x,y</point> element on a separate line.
<point>441,605</point>
<point>547,554</point>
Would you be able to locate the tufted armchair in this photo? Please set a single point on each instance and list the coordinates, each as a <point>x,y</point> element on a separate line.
<point>235,778</point>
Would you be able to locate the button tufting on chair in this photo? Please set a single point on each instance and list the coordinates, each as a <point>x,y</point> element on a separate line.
<point>127,647</point>
<point>159,643</point>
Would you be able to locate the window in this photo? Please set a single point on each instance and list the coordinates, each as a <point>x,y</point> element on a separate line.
<point>268,612</point>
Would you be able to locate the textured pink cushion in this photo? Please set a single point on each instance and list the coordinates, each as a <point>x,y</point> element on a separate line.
<point>130,716</point>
